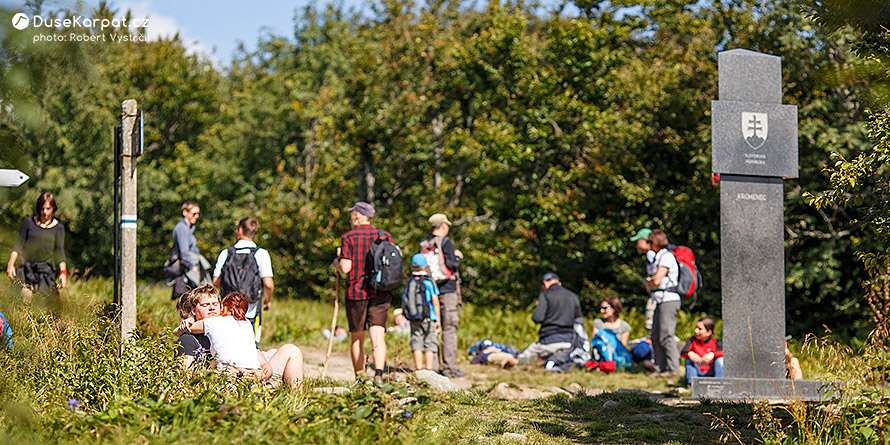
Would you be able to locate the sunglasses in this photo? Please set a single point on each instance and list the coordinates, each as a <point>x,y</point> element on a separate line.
<point>602,308</point>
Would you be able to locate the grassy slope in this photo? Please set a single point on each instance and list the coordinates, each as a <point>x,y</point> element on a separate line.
<point>76,358</point>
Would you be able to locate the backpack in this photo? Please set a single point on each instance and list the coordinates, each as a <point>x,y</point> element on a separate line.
<point>607,348</point>
<point>689,278</point>
<point>414,304</point>
<point>435,258</point>
<point>384,264</point>
<point>241,273</point>
<point>5,332</point>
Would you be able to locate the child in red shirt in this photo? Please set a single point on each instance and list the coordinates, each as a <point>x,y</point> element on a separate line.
<point>703,352</point>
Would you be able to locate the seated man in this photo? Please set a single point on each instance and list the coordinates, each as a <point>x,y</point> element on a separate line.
<point>557,309</point>
<point>286,362</point>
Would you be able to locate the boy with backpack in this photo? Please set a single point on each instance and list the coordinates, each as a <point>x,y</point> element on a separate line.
<point>246,268</point>
<point>420,305</point>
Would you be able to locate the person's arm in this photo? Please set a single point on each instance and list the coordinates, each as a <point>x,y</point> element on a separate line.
<point>197,327</point>
<point>540,309</point>
<point>10,268</point>
<point>656,279</point>
<point>438,312</point>
<point>183,327</point>
<point>624,339</point>
<point>60,256</point>
<point>268,287</point>
<point>342,264</point>
<point>266,368</point>
<point>452,259</point>
<point>685,351</point>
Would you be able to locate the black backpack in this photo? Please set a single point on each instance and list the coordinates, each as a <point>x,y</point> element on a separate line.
<point>384,264</point>
<point>240,273</point>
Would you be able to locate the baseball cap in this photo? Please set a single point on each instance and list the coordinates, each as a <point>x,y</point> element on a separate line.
<point>550,276</point>
<point>642,233</point>
<point>418,260</point>
<point>438,219</point>
<point>364,208</point>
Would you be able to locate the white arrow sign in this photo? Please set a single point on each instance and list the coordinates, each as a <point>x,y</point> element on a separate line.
<point>12,178</point>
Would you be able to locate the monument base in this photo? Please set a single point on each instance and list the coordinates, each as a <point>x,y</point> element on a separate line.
<point>751,388</point>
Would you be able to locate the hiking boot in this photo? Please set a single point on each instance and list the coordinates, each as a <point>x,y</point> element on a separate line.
<point>451,374</point>
<point>378,377</point>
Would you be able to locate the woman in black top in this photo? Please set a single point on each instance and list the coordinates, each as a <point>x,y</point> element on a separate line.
<point>40,251</point>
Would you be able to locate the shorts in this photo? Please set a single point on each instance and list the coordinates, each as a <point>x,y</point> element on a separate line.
<point>364,313</point>
<point>423,336</point>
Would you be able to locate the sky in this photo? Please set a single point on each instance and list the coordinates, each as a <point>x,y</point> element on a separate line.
<point>210,27</point>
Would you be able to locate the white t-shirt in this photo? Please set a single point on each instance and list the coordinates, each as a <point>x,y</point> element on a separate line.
<point>232,341</point>
<point>664,258</point>
<point>263,262</point>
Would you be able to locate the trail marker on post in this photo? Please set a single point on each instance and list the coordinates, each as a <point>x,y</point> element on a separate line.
<point>130,139</point>
<point>12,178</point>
<point>754,146</point>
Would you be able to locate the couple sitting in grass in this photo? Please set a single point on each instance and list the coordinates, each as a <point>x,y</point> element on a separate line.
<point>219,329</point>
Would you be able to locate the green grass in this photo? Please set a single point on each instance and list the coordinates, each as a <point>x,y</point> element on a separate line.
<point>136,394</point>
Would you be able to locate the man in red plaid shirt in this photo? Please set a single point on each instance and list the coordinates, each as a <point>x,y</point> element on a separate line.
<point>365,306</point>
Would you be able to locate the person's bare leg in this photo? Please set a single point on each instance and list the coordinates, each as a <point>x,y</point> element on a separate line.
<point>429,360</point>
<point>378,344</point>
<point>288,362</point>
<point>418,360</point>
<point>357,351</point>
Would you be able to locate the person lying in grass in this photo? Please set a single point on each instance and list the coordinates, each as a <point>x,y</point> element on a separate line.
<point>228,330</point>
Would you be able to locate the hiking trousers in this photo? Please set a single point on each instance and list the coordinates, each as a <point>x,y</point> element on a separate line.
<point>450,317</point>
<point>664,343</point>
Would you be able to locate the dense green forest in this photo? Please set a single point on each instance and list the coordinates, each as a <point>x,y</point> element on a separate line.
<point>548,134</point>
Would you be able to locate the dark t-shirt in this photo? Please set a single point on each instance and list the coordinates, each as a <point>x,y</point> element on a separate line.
<point>191,344</point>
<point>37,245</point>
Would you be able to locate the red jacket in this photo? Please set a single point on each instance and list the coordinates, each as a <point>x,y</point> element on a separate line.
<point>701,348</point>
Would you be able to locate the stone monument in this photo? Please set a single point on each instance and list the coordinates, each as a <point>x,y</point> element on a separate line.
<point>754,146</point>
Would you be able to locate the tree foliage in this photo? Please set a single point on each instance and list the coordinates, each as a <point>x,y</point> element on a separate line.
<point>547,136</point>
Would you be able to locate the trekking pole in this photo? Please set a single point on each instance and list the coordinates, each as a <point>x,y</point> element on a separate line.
<point>327,356</point>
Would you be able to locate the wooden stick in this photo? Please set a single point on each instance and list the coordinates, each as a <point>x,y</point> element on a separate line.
<point>327,356</point>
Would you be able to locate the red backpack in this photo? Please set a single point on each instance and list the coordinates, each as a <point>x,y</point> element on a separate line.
<point>689,279</point>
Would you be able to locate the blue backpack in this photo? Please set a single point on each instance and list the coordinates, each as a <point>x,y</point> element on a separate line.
<point>605,344</point>
<point>5,332</point>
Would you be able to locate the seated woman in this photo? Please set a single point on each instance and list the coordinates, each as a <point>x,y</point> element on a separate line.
<point>611,333</point>
<point>610,309</point>
<point>227,337</point>
<point>703,352</point>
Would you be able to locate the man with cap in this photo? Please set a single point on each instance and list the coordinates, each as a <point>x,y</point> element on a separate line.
<point>366,308</point>
<point>641,242</point>
<point>556,311</point>
<point>438,245</point>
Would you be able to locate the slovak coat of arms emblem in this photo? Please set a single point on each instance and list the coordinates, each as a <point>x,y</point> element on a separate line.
<point>755,128</point>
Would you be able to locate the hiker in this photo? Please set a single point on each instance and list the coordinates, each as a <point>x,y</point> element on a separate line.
<point>703,352</point>
<point>664,323</point>
<point>487,352</point>
<point>643,246</point>
<point>38,256</point>
<point>401,326</point>
<point>186,266</point>
<point>610,310</point>
<point>202,303</point>
<point>420,303</point>
<point>444,261</point>
<point>556,311</point>
<point>246,268</point>
<point>366,307</point>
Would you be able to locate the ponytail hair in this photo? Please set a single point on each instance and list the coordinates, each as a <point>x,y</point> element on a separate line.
<point>235,304</point>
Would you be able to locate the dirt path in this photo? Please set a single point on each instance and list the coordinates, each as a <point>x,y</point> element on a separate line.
<point>340,366</point>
